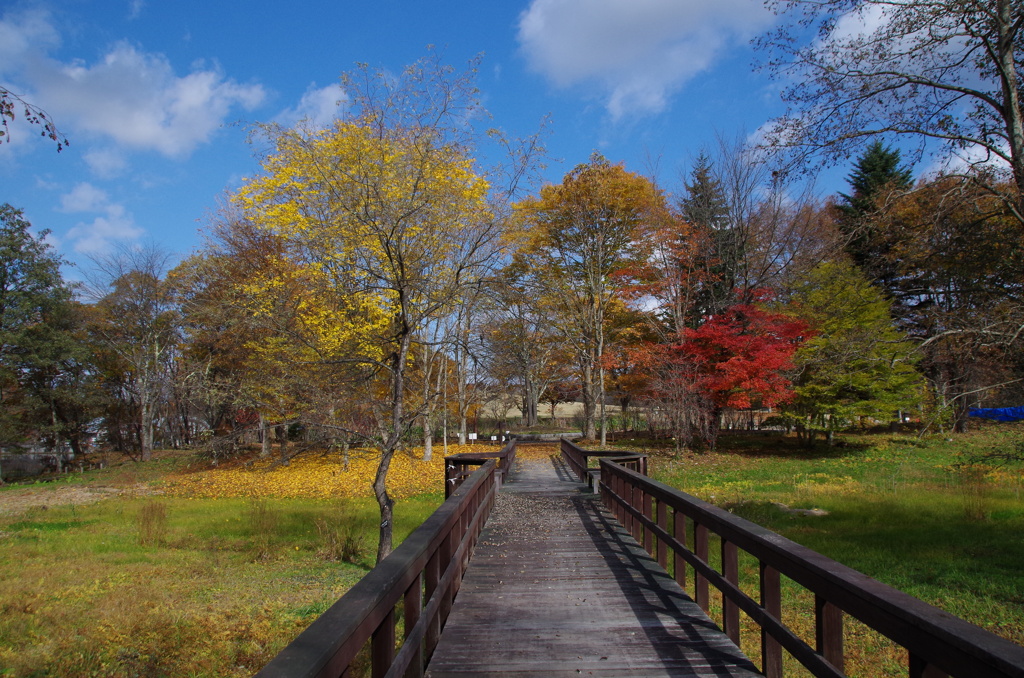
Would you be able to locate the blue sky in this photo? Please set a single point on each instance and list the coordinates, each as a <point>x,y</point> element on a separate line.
<point>156,97</point>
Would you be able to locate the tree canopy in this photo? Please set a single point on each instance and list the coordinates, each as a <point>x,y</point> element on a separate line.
<point>937,74</point>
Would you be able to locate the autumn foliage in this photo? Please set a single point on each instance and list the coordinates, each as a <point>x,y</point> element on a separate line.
<point>741,356</point>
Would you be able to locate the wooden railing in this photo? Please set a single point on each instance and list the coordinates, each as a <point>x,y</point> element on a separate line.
<point>665,520</point>
<point>580,460</point>
<point>458,467</point>
<point>422,575</point>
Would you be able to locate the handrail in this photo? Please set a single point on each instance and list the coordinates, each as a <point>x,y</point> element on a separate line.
<point>578,460</point>
<point>458,467</point>
<point>663,519</point>
<point>424,572</point>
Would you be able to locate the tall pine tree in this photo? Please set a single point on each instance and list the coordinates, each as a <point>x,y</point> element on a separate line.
<point>705,207</point>
<point>876,173</point>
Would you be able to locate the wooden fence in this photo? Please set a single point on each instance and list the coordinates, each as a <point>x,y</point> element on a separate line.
<point>422,575</point>
<point>458,467</point>
<point>579,460</point>
<point>671,523</point>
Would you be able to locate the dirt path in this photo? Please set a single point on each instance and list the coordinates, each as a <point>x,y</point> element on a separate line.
<point>17,500</point>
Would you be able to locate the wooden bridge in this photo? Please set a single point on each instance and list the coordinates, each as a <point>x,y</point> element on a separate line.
<point>525,571</point>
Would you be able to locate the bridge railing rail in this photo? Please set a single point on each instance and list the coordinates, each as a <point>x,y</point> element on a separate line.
<point>422,576</point>
<point>583,462</point>
<point>668,522</point>
<point>459,467</point>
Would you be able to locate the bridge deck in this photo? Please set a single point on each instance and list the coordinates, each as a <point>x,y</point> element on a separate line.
<point>557,588</point>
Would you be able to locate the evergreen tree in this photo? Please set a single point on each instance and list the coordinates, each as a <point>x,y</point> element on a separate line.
<point>61,392</point>
<point>704,203</point>
<point>876,171</point>
<point>875,174</point>
<point>704,206</point>
<point>42,361</point>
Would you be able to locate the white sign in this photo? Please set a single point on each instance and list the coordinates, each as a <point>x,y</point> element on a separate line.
<point>472,436</point>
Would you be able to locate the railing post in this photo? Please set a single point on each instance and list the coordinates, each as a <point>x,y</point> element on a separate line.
<point>448,594</point>
<point>663,524</point>
<point>700,549</point>
<point>382,647</point>
<point>679,532</point>
<point>413,601</point>
<point>771,601</point>
<point>620,508</point>
<point>730,611</point>
<point>431,576</point>
<point>828,631</point>
<point>648,511</point>
<point>621,513</point>
<point>457,534</point>
<point>636,501</point>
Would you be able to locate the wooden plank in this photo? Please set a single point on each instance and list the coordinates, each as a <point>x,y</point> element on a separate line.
<point>558,588</point>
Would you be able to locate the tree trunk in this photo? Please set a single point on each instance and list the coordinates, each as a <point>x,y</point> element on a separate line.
<point>428,433</point>
<point>589,426</point>
<point>392,438</point>
<point>282,439</point>
<point>428,439</point>
<point>462,393</point>
<point>385,503</point>
<point>1013,116</point>
<point>531,398</point>
<point>146,432</point>
<point>264,437</point>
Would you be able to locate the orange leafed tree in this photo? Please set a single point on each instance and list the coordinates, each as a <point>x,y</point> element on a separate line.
<point>590,235</point>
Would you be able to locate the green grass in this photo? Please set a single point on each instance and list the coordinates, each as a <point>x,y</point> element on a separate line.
<point>898,510</point>
<point>216,593</point>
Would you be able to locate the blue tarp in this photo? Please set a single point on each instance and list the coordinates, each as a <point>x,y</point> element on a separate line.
<point>997,413</point>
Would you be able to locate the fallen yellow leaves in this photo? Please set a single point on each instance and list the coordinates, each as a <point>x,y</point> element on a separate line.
<point>536,452</point>
<point>320,475</point>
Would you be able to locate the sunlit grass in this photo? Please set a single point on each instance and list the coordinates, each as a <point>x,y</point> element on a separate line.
<point>167,584</point>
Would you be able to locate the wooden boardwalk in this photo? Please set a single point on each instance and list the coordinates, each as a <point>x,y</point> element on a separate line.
<point>557,588</point>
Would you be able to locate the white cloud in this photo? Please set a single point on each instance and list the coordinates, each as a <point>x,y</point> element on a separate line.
<point>319,106</point>
<point>135,8</point>
<point>24,33</point>
<point>639,52</point>
<point>130,96</point>
<point>84,197</point>
<point>859,23</point>
<point>114,222</point>
<point>99,235</point>
<point>964,160</point>
<point>106,163</point>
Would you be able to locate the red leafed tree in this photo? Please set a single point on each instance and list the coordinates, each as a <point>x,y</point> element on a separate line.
<point>741,356</point>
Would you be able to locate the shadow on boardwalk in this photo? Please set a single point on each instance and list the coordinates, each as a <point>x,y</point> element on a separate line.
<point>557,588</point>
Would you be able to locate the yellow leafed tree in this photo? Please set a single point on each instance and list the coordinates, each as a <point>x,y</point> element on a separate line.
<point>387,210</point>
